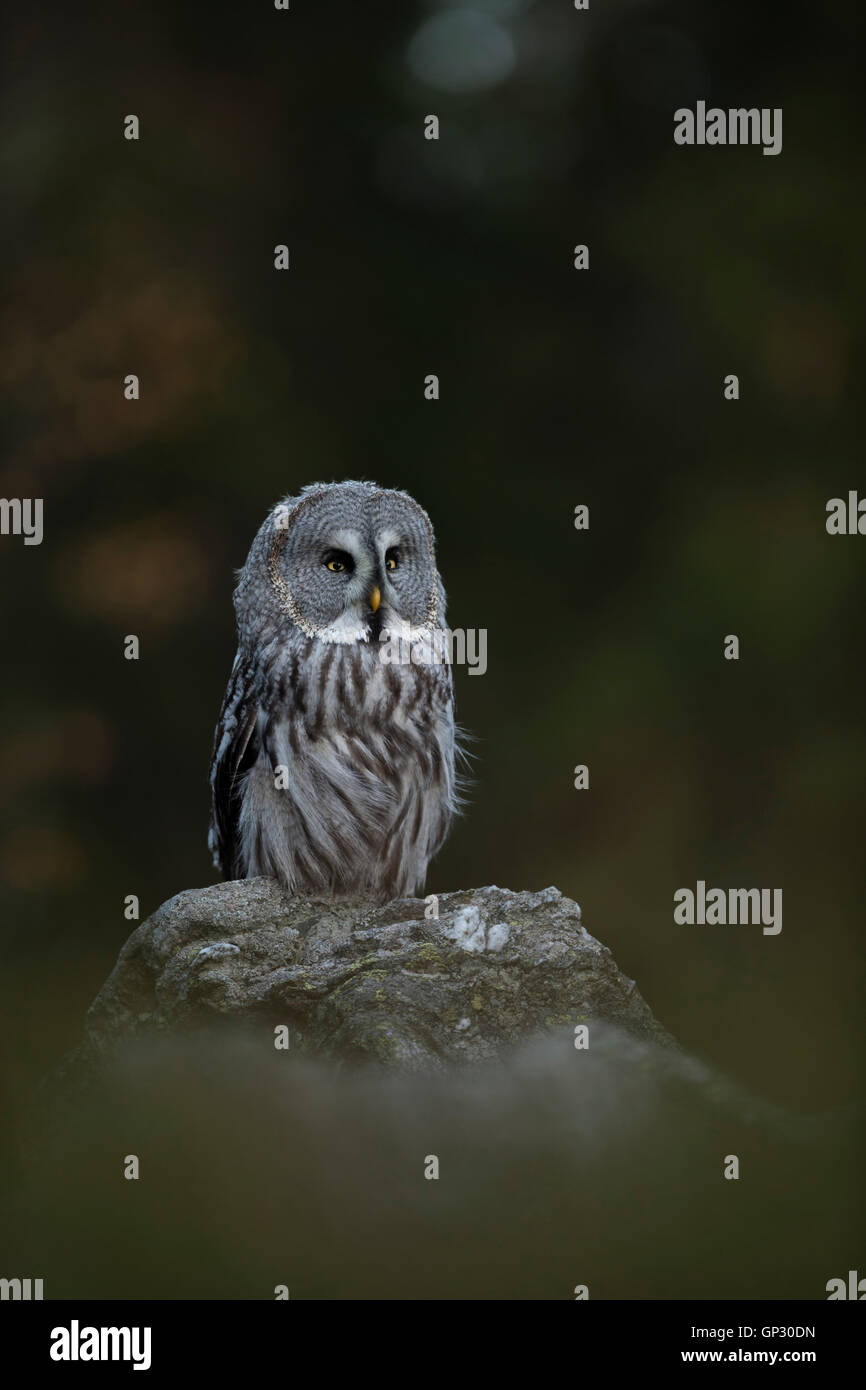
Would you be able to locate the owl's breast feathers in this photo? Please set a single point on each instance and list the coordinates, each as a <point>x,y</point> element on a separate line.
<point>333,770</point>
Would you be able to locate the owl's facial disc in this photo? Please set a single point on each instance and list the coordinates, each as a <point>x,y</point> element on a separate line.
<point>352,567</point>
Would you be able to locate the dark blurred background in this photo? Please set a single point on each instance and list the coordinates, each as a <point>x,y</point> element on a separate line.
<point>411,257</point>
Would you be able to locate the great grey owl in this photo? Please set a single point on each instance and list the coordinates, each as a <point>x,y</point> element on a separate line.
<point>334,769</point>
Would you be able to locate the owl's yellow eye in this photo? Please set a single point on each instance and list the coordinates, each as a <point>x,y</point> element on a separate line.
<point>391,560</point>
<point>337,561</point>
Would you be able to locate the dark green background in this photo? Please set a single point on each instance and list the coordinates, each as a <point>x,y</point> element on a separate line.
<point>557,387</point>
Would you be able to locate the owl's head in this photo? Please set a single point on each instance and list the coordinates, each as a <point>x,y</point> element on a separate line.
<point>348,561</point>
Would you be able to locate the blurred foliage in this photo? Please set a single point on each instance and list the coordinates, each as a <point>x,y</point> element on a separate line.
<point>605,388</point>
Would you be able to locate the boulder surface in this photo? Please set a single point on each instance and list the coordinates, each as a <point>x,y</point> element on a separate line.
<point>351,980</point>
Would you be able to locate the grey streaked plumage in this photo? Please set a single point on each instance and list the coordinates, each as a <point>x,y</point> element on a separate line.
<point>368,747</point>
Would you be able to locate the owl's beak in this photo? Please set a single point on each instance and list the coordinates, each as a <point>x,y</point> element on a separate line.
<point>375,599</point>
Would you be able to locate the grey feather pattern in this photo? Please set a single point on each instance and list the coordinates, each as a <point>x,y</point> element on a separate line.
<point>333,770</point>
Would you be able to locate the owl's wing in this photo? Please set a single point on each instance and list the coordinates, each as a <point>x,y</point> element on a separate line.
<point>235,750</point>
